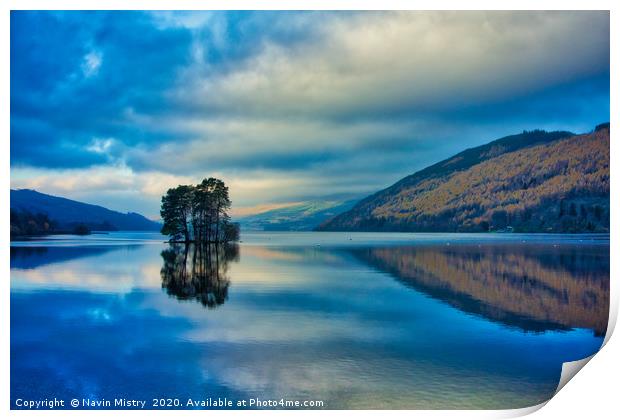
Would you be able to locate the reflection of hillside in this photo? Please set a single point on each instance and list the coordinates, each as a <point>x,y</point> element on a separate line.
<point>198,272</point>
<point>534,288</point>
<point>29,257</point>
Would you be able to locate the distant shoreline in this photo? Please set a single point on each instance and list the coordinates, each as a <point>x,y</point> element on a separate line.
<point>268,232</point>
<point>38,235</point>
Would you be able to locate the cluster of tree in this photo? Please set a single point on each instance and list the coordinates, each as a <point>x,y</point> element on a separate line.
<point>198,213</point>
<point>81,229</point>
<point>198,272</point>
<point>25,223</point>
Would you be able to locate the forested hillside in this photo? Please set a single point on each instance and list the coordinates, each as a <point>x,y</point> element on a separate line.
<point>297,217</point>
<point>535,182</point>
<point>68,214</point>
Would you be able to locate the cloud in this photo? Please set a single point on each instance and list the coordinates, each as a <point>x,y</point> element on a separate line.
<point>92,62</point>
<point>236,143</point>
<point>71,92</point>
<point>286,106</point>
<point>117,187</point>
<point>408,61</point>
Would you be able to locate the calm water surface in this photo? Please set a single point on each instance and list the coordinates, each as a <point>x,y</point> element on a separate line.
<point>358,320</point>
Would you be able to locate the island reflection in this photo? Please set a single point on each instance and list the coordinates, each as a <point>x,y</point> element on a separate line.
<point>534,288</point>
<point>198,272</point>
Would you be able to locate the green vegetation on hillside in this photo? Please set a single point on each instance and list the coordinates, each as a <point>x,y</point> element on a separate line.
<point>24,223</point>
<point>68,214</point>
<point>534,182</point>
<point>297,217</point>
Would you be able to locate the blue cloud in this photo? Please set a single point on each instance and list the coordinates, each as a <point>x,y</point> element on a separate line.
<point>189,92</point>
<point>57,108</point>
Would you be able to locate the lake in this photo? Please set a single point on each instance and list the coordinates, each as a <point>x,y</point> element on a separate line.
<point>355,320</point>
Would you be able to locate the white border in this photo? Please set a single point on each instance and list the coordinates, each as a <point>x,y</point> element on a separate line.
<point>593,394</point>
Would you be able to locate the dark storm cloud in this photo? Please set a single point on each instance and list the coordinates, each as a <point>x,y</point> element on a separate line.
<point>323,96</point>
<point>76,76</point>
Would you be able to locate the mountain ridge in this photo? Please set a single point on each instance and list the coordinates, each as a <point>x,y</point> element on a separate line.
<point>299,217</point>
<point>68,213</point>
<point>436,197</point>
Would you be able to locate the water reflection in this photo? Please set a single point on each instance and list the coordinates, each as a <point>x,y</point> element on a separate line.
<point>535,288</point>
<point>358,324</point>
<point>198,272</point>
<point>30,257</point>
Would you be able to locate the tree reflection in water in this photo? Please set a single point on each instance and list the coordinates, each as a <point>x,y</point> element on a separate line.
<point>533,287</point>
<point>198,272</point>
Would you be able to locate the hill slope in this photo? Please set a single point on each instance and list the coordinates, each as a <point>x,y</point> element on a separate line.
<point>68,213</point>
<point>532,182</point>
<point>300,217</point>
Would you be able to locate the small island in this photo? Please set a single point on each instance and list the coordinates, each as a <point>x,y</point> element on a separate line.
<point>198,214</point>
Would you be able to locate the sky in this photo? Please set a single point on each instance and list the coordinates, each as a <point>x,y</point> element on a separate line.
<point>113,108</point>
